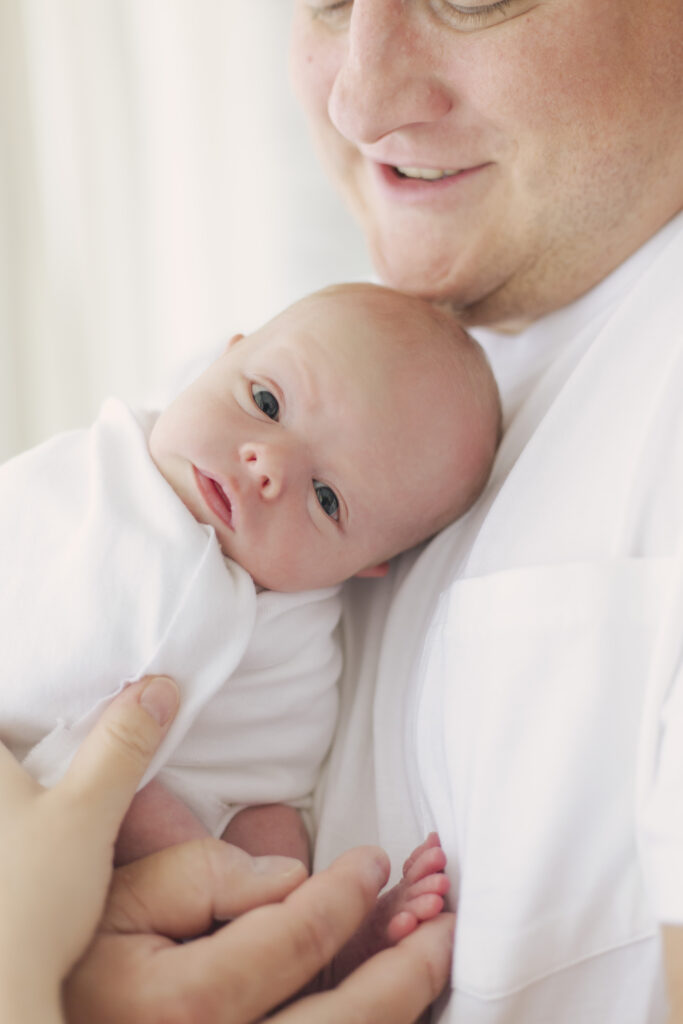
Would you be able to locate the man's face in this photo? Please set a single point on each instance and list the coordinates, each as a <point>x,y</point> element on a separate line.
<point>562,118</point>
<point>311,456</point>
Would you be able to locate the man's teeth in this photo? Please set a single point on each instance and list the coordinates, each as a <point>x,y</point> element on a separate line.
<point>427,173</point>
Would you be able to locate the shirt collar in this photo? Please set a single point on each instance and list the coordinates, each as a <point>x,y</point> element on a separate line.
<point>518,360</point>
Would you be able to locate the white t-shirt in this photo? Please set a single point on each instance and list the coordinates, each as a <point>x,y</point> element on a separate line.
<point>515,684</point>
<point>108,577</point>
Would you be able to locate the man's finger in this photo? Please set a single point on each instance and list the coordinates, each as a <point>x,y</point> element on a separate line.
<point>393,987</point>
<point>115,755</point>
<point>209,880</point>
<point>294,939</point>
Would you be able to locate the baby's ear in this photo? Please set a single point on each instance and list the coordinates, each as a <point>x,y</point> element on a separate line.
<point>235,338</point>
<point>373,571</point>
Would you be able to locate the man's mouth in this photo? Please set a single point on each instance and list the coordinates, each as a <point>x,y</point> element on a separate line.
<point>215,497</point>
<point>424,173</point>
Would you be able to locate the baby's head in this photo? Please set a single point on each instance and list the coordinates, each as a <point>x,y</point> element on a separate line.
<point>355,424</point>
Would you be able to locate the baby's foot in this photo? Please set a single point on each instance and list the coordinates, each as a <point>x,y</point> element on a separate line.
<point>419,896</point>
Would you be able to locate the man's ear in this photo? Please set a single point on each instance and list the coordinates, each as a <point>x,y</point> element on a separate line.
<point>373,571</point>
<point>235,338</point>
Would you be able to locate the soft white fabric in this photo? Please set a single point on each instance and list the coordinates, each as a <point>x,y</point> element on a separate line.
<point>107,577</point>
<point>539,726</point>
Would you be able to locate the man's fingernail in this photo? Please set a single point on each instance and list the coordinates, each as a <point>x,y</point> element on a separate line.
<point>160,699</point>
<point>275,865</point>
<point>378,868</point>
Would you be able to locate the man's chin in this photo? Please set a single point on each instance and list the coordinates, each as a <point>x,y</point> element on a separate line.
<point>430,278</point>
<point>479,290</point>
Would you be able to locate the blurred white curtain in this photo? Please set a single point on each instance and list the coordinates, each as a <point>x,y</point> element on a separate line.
<point>157,193</point>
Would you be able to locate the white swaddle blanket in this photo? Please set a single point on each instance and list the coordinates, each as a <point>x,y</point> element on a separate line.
<point>106,577</point>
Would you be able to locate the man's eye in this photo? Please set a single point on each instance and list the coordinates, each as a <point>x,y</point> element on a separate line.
<point>266,401</point>
<point>472,14</point>
<point>329,501</point>
<point>327,6</point>
<point>334,12</point>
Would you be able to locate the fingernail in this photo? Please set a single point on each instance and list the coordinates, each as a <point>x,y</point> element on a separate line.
<point>274,865</point>
<point>160,699</point>
<point>378,868</point>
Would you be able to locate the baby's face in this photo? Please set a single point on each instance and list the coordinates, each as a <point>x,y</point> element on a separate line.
<point>309,448</point>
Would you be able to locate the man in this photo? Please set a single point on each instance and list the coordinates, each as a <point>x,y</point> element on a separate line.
<point>523,161</point>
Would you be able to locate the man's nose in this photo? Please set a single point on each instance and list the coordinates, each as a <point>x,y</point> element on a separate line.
<point>386,81</point>
<point>266,468</point>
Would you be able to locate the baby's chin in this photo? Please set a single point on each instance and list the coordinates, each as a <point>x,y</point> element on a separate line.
<point>280,586</point>
<point>287,577</point>
<point>289,582</point>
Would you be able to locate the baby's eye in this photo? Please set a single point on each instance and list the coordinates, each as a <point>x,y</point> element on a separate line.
<point>329,502</point>
<point>266,401</point>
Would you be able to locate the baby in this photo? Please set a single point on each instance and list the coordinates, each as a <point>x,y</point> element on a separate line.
<point>208,543</point>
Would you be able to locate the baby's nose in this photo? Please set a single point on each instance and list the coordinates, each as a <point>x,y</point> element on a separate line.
<point>265,466</point>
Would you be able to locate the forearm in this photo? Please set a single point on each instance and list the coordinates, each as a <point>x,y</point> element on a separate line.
<point>28,999</point>
<point>672,942</point>
<point>31,1011</point>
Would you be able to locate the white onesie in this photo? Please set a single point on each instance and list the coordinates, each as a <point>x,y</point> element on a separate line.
<point>106,577</point>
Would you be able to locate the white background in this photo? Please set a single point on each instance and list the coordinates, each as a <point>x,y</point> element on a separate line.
<point>158,193</point>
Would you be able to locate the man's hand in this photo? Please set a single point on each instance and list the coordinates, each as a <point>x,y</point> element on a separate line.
<point>55,871</point>
<point>135,971</point>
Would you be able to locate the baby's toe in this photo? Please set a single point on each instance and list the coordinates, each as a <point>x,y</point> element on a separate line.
<point>401,925</point>
<point>426,906</point>
<point>430,842</point>
<point>428,862</point>
<point>436,883</point>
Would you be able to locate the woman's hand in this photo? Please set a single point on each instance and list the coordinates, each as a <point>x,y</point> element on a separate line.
<point>135,971</point>
<point>56,848</point>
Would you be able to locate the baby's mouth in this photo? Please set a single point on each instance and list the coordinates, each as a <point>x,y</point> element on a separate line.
<point>225,502</point>
<point>215,497</point>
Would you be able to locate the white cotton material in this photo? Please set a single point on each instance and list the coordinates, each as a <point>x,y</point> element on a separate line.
<point>106,577</point>
<point>516,684</point>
